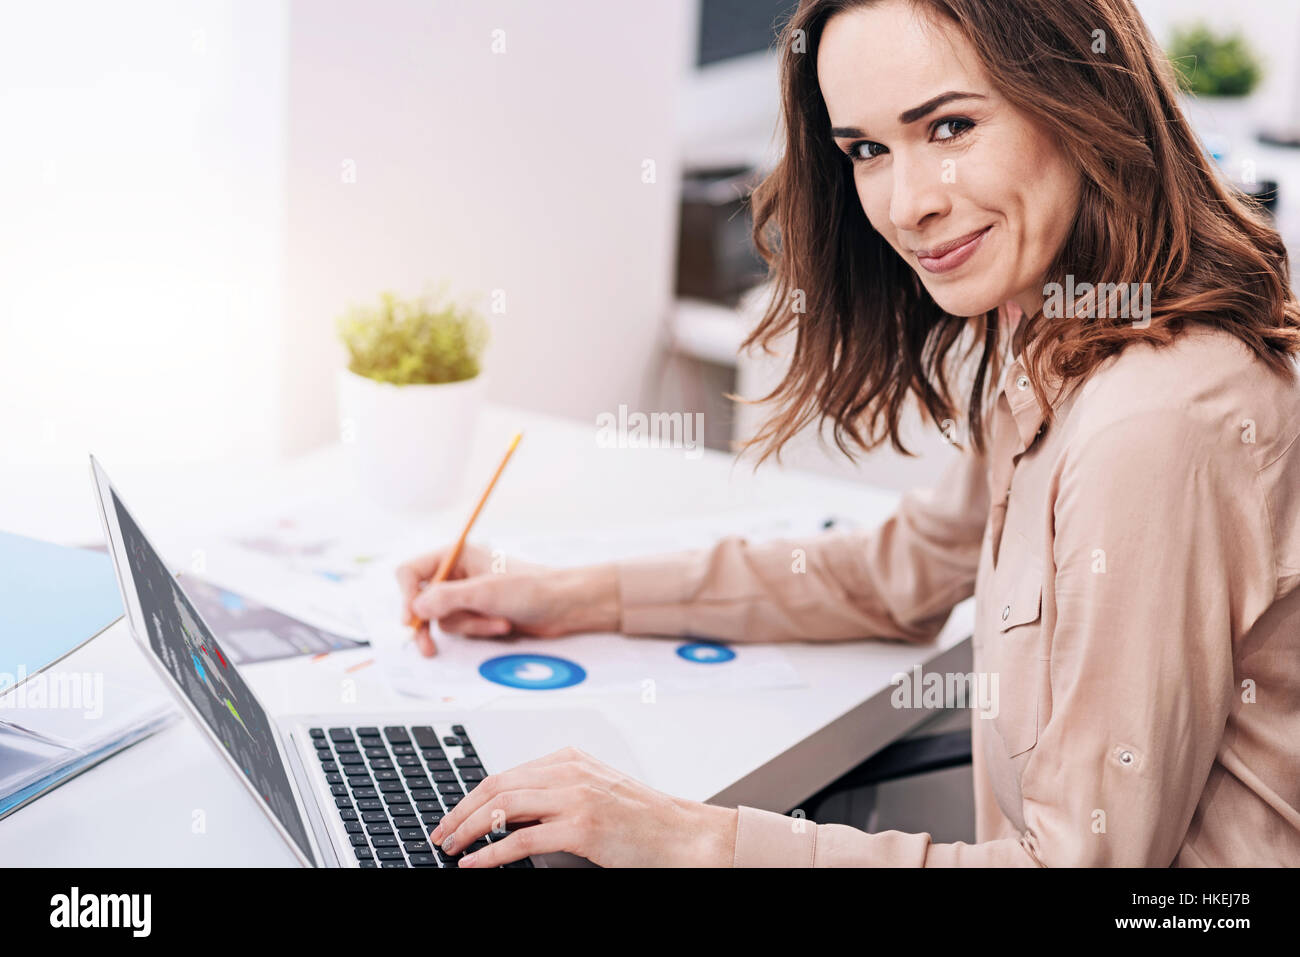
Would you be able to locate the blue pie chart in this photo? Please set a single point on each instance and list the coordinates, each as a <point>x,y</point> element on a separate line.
<point>533,672</point>
<point>705,652</point>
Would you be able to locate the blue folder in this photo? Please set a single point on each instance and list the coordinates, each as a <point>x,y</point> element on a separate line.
<point>53,599</point>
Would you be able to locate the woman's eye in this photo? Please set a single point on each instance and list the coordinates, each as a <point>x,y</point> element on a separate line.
<point>962,127</point>
<point>862,151</point>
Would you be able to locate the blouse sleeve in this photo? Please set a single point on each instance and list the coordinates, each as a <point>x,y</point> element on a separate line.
<point>898,581</point>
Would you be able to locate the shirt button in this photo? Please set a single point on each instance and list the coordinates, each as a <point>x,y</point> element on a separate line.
<point>1126,757</point>
<point>1006,612</point>
<point>1022,382</point>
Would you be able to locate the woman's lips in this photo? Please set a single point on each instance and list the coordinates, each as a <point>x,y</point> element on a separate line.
<point>955,256</point>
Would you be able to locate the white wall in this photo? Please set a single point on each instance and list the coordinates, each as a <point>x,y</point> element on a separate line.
<point>140,184</point>
<point>519,171</point>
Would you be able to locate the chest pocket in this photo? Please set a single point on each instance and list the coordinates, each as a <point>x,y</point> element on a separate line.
<point>1013,654</point>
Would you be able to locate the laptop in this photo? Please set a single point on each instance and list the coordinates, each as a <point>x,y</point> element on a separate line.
<point>342,790</point>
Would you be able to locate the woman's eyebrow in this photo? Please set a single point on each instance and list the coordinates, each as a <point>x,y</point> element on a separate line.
<point>915,113</point>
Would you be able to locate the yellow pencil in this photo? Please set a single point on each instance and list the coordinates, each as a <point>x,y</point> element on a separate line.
<point>449,560</point>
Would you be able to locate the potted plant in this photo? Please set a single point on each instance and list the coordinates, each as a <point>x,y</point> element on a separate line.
<point>1217,73</point>
<point>410,396</point>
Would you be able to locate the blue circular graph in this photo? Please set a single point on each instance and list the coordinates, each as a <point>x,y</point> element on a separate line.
<point>705,652</point>
<point>533,672</point>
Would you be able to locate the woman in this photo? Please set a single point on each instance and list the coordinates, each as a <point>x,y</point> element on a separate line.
<point>1126,508</point>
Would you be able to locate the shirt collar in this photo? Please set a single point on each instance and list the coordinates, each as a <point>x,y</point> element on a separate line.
<point>1025,409</point>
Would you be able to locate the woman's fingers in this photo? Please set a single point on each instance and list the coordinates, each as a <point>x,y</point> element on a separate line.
<point>473,624</point>
<point>558,835</point>
<point>521,804</point>
<point>551,770</point>
<point>424,641</point>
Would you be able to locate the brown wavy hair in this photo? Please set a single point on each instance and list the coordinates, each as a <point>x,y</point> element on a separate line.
<point>1152,211</point>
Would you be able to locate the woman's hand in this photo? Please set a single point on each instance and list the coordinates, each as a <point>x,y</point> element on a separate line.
<point>496,596</point>
<point>586,808</point>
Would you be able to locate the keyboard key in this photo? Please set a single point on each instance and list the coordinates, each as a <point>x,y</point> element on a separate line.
<point>383,840</point>
<point>451,741</point>
<point>423,860</point>
<point>364,792</point>
<point>348,814</point>
<point>429,807</point>
<point>458,729</point>
<point>355,771</point>
<point>334,778</point>
<point>397,735</point>
<point>363,854</point>
<point>317,732</point>
<point>359,840</point>
<point>370,804</point>
<point>380,764</point>
<point>451,800</point>
<point>351,758</point>
<point>354,827</point>
<point>339,790</point>
<point>425,736</point>
<point>468,763</point>
<point>380,828</point>
<point>345,747</point>
<point>322,744</point>
<point>440,765</point>
<point>374,817</point>
<point>413,772</point>
<point>403,749</point>
<point>376,752</point>
<point>472,774</point>
<point>449,787</point>
<point>471,785</point>
<point>397,801</point>
<point>392,787</point>
<point>469,752</point>
<point>343,803</point>
<point>430,821</point>
<point>413,834</point>
<point>368,864</point>
<point>408,760</point>
<point>389,854</point>
<point>340,734</point>
<point>423,794</point>
<point>417,847</point>
<point>441,776</point>
<point>431,755</point>
<point>368,732</point>
<point>394,863</point>
<point>329,767</point>
<point>386,775</point>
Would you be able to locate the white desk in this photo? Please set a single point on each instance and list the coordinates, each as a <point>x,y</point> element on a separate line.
<point>768,749</point>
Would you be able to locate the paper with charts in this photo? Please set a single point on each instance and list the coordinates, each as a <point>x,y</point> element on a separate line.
<point>611,663</point>
<point>332,572</point>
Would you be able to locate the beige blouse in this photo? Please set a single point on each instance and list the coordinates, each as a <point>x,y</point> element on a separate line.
<point>1135,570</point>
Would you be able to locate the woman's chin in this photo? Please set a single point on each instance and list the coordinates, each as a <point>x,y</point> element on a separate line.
<point>968,301</point>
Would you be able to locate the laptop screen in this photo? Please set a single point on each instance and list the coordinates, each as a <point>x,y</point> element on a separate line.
<point>208,677</point>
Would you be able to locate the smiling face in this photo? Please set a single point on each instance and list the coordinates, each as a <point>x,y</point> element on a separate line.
<point>969,191</point>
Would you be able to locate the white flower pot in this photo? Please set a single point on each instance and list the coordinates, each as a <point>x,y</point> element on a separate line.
<point>409,443</point>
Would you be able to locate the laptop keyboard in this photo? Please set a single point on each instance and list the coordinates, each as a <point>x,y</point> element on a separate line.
<point>392,785</point>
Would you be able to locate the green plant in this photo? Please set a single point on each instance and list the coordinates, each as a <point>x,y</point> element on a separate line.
<point>413,341</point>
<point>1213,65</point>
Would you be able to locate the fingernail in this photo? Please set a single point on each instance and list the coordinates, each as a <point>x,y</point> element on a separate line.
<point>467,860</point>
<point>437,833</point>
<point>448,844</point>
